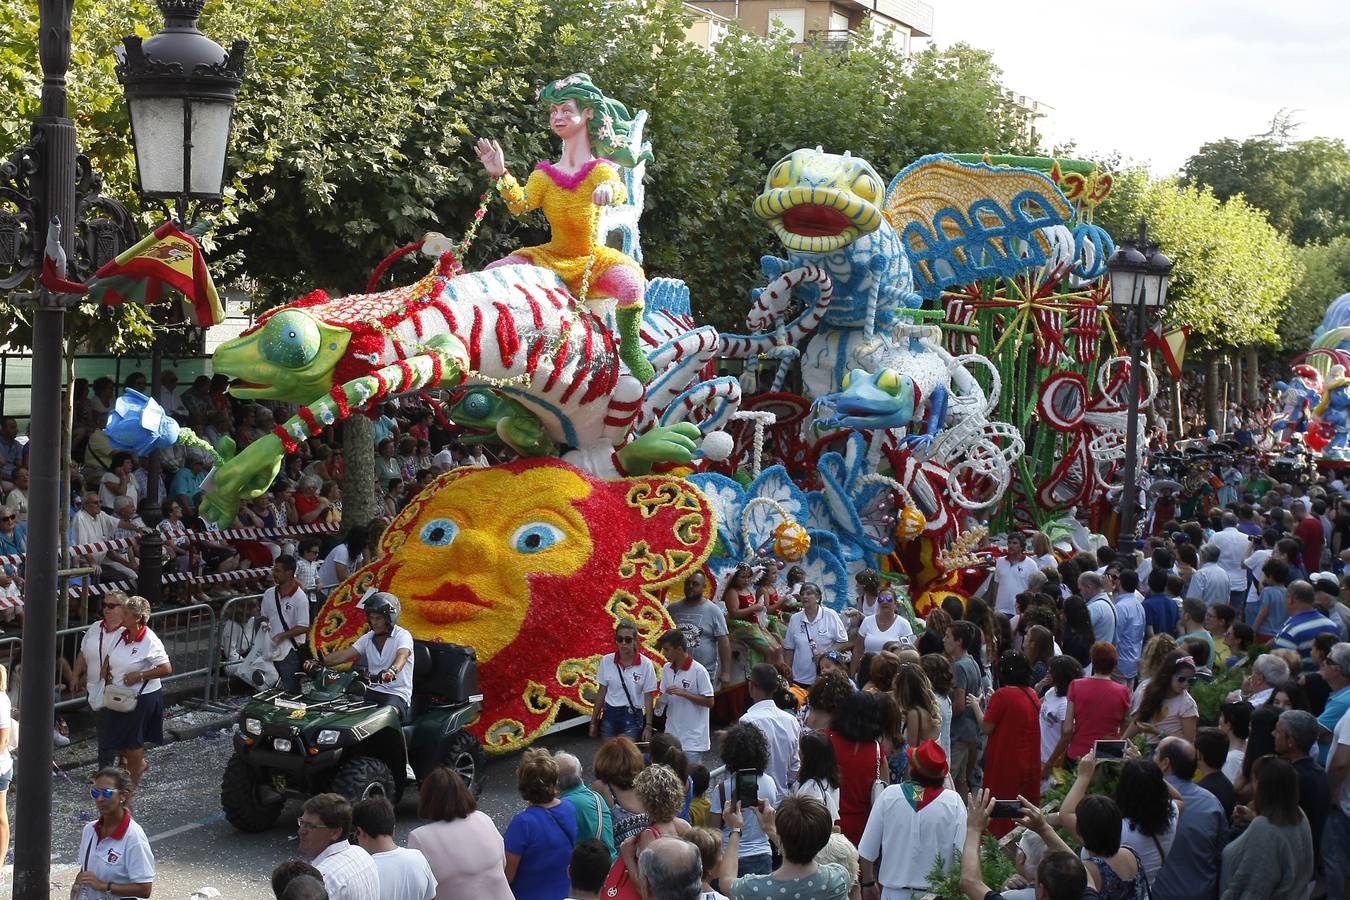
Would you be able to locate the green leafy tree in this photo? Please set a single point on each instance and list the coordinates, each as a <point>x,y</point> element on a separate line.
<point>1303,187</point>
<point>1232,271</point>
<point>356,121</point>
<point>1326,276</point>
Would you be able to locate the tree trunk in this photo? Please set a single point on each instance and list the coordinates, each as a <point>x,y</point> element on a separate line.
<point>1212,375</point>
<point>1239,394</point>
<point>358,478</point>
<point>1253,374</point>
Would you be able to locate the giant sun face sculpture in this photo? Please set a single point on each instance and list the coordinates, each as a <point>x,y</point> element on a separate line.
<point>532,564</point>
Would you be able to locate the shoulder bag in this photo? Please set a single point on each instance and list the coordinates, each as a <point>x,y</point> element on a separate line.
<point>878,785</point>
<point>122,699</point>
<point>301,650</point>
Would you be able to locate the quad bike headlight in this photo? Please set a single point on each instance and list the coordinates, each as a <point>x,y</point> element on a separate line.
<point>327,737</point>
<point>253,726</point>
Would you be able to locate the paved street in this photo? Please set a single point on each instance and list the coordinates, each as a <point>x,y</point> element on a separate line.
<point>179,807</point>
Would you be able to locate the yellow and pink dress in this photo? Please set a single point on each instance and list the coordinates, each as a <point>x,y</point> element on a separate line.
<point>566,201</point>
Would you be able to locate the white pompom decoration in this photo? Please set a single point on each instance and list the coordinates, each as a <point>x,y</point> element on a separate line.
<point>717,445</point>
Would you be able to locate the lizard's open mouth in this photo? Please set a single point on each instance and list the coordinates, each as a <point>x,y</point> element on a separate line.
<point>814,219</point>
<point>241,384</point>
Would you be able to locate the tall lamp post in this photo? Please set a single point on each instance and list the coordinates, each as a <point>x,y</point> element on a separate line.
<point>180,89</point>
<point>1139,275</point>
<point>47,181</point>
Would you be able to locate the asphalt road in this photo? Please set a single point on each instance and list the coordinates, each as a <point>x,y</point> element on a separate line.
<point>179,808</point>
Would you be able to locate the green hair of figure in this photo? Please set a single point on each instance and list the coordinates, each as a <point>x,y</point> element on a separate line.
<point>611,126</point>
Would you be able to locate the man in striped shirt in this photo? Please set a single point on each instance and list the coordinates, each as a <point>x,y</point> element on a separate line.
<point>1304,624</point>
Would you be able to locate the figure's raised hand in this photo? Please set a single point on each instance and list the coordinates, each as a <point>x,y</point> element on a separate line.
<point>603,195</point>
<point>491,156</point>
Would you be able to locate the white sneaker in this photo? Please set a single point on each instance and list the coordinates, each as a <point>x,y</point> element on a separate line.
<point>59,739</point>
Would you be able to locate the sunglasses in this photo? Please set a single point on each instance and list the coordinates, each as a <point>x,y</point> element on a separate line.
<point>112,606</point>
<point>8,518</point>
<point>1186,679</point>
<point>623,640</point>
<point>105,793</point>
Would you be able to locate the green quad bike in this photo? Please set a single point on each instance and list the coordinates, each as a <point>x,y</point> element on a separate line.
<point>329,738</point>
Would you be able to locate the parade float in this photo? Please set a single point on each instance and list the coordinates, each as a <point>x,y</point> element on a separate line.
<point>930,358</point>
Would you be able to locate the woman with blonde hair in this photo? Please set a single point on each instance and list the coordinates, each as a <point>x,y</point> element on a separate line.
<point>918,704</point>
<point>1154,655</point>
<point>1042,551</point>
<point>662,793</point>
<point>137,660</point>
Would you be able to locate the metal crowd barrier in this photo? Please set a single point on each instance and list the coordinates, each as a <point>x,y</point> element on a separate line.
<point>189,634</point>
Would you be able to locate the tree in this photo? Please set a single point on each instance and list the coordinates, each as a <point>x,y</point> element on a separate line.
<point>1326,276</point>
<point>1303,187</point>
<point>1232,271</point>
<point>355,124</point>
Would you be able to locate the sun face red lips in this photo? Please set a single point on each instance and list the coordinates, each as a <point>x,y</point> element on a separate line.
<point>814,220</point>
<point>451,604</point>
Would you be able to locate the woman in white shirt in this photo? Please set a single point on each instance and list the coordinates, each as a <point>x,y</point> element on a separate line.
<point>880,628</point>
<point>138,660</point>
<point>115,855</point>
<point>818,775</point>
<point>627,681</point>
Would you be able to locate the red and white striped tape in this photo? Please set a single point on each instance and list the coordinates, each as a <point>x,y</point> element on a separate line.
<point>232,534</point>
<point>179,577</point>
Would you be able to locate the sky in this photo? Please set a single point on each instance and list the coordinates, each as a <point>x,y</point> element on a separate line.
<point>1155,80</point>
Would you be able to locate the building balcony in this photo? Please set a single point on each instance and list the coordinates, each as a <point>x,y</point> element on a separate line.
<point>834,40</point>
<point>916,15</point>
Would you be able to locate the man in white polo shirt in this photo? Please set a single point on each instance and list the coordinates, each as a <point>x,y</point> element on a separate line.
<point>1011,574</point>
<point>386,650</point>
<point>687,692</point>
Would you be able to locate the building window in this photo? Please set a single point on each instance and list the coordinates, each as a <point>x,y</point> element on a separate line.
<point>789,22</point>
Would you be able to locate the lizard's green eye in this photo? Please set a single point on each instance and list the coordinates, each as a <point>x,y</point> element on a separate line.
<point>290,339</point>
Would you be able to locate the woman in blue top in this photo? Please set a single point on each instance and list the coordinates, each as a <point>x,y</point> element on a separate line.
<point>540,837</point>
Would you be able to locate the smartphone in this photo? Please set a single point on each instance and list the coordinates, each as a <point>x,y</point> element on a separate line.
<point>1007,809</point>
<point>1109,750</point>
<point>747,788</point>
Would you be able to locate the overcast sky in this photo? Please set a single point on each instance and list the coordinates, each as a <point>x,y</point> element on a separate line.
<point>1154,80</point>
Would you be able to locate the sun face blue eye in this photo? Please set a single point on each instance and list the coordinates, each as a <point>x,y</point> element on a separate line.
<point>536,537</point>
<point>439,532</point>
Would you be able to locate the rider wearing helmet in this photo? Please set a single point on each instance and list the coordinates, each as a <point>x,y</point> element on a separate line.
<point>386,650</point>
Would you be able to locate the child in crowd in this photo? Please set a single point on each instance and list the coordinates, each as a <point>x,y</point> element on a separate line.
<point>307,565</point>
<point>700,805</point>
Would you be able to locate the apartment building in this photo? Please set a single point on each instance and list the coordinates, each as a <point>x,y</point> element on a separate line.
<point>832,23</point>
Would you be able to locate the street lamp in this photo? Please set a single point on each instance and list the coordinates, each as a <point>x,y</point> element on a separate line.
<point>1140,275</point>
<point>180,89</point>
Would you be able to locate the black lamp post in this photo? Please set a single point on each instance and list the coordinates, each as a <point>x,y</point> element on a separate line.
<point>1139,275</point>
<point>180,90</point>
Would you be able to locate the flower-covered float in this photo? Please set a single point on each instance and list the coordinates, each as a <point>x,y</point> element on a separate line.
<point>948,331</point>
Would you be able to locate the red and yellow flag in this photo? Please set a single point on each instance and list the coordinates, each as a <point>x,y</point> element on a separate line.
<point>168,258</point>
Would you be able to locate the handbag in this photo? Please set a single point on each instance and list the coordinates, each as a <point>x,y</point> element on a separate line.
<point>618,884</point>
<point>301,650</point>
<point>120,698</point>
<point>878,785</point>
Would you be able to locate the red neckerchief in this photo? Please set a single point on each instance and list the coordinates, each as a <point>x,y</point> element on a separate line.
<point>138,638</point>
<point>117,833</point>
